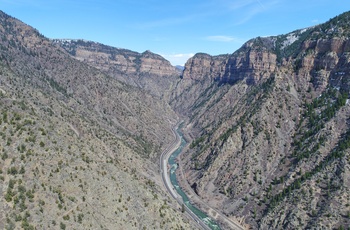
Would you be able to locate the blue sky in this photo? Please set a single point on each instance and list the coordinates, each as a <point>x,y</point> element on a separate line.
<point>174,29</point>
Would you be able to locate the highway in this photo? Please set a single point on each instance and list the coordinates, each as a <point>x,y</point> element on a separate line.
<point>168,185</point>
<point>166,177</point>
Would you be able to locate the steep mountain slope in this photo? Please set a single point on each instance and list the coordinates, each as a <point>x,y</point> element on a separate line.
<point>146,70</point>
<point>77,146</point>
<point>124,110</point>
<point>269,126</point>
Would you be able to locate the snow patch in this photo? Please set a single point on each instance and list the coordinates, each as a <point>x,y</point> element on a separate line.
<point>292,37</point>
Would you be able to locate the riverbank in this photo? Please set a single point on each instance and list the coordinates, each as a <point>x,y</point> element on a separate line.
<point>206,221</point>
<point>223,221</point>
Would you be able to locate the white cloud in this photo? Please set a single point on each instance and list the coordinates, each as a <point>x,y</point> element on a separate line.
<point>220,38</point>
<point>177,59</point>
<point>223,38</point>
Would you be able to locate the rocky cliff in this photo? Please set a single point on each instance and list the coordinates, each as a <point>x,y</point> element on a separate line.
<point>147,70</point>
<point>204,67</point>
<point>269,128</point>
<point>258,58</point>
<point>249,64</point>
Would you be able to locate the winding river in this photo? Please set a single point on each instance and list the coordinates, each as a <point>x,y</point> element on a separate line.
<point>204,217</point>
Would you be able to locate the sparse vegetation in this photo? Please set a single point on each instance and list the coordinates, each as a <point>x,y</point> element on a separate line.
<point>269,123</point>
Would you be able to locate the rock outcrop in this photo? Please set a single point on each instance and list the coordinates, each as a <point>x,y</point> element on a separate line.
<point>204,67</point>
<point>116,59</point>
<point>250,63</point>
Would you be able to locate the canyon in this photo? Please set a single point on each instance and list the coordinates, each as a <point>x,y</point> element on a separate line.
<point>83,126</point>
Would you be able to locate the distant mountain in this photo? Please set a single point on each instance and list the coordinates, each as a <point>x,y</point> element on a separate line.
<point>146,70</point>
<point>180,67</point>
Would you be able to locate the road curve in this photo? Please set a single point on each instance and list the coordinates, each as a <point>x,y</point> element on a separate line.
<point>167,183</point>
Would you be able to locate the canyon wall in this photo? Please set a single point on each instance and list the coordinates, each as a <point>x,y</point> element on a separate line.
<point>269,128</point>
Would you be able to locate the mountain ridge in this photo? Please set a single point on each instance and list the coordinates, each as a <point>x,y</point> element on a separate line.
<point>268,126</point>
<point>283,46</point>
<point>79,149</point>
<point>146,70</point>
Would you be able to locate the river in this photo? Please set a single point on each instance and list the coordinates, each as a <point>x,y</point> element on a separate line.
<point>206,219</point>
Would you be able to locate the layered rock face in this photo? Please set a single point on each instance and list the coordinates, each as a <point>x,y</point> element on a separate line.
<point>269,128</point>
<point>204,67</point>
<point>146,70</point>
<point>253,63</point>
<point>249,64</point>
<point>325,61</point>
<point>115,59</point>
